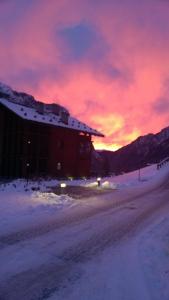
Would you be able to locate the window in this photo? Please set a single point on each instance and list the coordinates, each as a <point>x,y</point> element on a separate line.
<point>42,165</point>
<point>59,166</point>
<point>84,148</point>
<point>60,144</point>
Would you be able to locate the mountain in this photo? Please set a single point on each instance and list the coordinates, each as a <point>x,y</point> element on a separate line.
<point>28,100</point>
<point>148,149</point>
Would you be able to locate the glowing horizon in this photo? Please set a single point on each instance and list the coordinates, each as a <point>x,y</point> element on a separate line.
<point>102,146</point>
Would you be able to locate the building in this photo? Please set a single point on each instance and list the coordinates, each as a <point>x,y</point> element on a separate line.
<point>38,139</point>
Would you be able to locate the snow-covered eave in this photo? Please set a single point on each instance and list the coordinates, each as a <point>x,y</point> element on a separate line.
<point>30,114</point>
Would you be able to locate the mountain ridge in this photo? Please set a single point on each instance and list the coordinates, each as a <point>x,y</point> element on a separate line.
<point>148,149</point>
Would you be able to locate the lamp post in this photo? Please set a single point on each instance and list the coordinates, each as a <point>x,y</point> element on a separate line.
<point>99,181</point>
<point>139,174</point>
<point>62,187</point>
<point>139,159</point>
<point>27,171</point>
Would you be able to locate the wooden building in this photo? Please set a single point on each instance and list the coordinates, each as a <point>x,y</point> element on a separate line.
<point>39,139</point>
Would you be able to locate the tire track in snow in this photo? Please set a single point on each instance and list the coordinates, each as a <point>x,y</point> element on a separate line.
<point>40,283</point>
<point>49,226</point>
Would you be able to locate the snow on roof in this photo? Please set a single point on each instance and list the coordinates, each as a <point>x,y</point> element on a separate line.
<point>31,114</point>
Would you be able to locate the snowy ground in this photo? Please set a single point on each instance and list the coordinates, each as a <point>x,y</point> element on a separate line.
<point>138,269</point>
<point>19,205</point>
<point>114,246</point>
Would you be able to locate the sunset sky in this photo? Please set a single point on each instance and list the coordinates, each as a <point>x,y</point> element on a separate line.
<point>107,61</point>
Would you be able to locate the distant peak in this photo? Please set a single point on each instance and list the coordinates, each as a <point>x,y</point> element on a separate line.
<point>5,88</point>
<point>28,100</point>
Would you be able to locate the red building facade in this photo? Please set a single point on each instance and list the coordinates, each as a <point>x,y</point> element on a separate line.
<point>42,140</point>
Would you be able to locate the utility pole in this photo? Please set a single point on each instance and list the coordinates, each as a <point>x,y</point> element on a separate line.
<point>139,174</point>
<point>27,171</point>
<point>139,160</point>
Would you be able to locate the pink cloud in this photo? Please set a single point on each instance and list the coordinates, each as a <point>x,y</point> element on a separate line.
<point>117,77</point>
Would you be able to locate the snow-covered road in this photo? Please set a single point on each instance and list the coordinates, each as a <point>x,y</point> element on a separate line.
<point>94,253</point>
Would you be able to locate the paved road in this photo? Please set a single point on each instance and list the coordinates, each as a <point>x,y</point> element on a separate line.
<point>64,244</point>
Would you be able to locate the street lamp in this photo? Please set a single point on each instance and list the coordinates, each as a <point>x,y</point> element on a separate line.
<point>62,187</point>
<point>99,181</point>
<point>139,174</point>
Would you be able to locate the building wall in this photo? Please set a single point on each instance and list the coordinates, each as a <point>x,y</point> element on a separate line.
<point>30,149</point>
<point>67,158</point>
<point>11,144</point>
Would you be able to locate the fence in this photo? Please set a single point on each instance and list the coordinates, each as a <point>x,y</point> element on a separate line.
<point>162,163</point>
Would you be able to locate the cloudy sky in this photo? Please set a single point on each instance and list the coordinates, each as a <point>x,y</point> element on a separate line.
<point>107,61</point>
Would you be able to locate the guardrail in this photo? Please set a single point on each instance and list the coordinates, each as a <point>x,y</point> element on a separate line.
<point>162,163</point>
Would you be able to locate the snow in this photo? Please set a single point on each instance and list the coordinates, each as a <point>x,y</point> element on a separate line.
<point>29,113</point>
<point>21,206</point>
<point>138,269</point>
<point>6,89</point>
<point>123,267</point>
<point>135,269</point>
<point>21,203</point>
<point>155,254</point>
<point>131,179</point>
<point>16,104</point>
<point>110,279</point>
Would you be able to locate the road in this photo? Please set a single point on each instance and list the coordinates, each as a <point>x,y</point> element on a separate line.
<point>49,258</point>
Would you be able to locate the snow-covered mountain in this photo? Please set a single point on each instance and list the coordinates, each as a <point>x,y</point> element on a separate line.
<point>28,100</point>
<point>147,149</point>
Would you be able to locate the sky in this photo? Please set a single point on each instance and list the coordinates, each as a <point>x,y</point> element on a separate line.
<point>107,61</point>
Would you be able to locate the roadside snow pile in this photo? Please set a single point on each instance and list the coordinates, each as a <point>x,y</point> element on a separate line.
<point>109,185</point>
<point>21,185</point>
<point>21,196</point>
<point>22,204</point>
<point>51,200</point>
<point>90,184</point>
